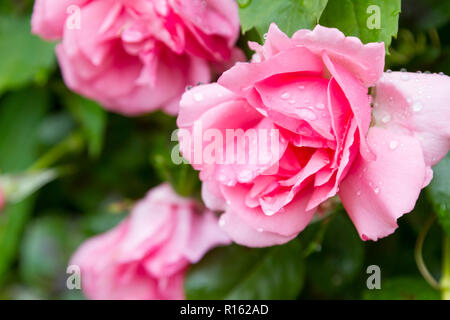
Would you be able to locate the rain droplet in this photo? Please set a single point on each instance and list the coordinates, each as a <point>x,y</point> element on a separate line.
<point>285,96</point>
<point>417,107</point>
<point>292,101</point>
<point>376,190</point>
<point>260,230</point>
<point>221,222</point>
<point>307,114</point>
<point>358,193</point>
<point>269,212</point>
<point>265,36</point>
<point>320,106</point>
<point>386,118</point>
<point>405,77</point>
<point>301,87</point>
<point>198,97</point>
<point>393,145</point>
<point>389,71</point>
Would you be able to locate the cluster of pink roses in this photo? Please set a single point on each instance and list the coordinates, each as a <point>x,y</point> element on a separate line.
<point>374,153</point>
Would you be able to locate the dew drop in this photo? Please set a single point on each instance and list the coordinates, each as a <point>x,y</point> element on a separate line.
<point>260,230</point>
<point>358,193</point>
<point>307,114</point>
<point>292,101</point>
<point>198,97</point>
<point>386,118</point>
<point>269,213</point>
<point>221,222</point>
<point>320,106</point>
<point>377,190</point>
<point>285,96</point>
<point>393,145</point>
<point>417,107</point>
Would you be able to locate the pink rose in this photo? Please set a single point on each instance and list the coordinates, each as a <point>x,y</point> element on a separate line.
<point>147,255</point>
<point>135,56</point>
<point>313,90</point>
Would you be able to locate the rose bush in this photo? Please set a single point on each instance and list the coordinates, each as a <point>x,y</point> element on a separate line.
<point>2,200</point>
<point>314,89</point>
<point>147,255</point>
<point>134,56</point>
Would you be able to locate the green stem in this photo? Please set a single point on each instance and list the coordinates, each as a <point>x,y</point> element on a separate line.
<point>419,257</point>
<point>71,144</point>
<point>445,280</point>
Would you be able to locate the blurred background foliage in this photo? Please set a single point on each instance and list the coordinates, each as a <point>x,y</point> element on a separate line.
<point>88,167</point>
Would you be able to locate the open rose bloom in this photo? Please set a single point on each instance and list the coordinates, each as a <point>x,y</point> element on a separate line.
<point>334,139</point>
<point>147,255</point>
<point>135,56</point>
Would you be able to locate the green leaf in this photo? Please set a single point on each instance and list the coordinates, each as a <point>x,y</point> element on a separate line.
<point>46,250</point>
<point>402,288</point>
<point>340,258</point>
<point>289,15</point>
<point>357,18</point>
<point>23,56</point>
<point>241,273</point>
<point>439,192</point>
<point>17,187</point>
<point>182,177</point>
<point>20,115</point>
<point>92,118</point>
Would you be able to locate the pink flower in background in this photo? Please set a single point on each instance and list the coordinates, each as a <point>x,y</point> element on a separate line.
<point>147,255</point>
<point>135,56</point>
<point>313,88</point>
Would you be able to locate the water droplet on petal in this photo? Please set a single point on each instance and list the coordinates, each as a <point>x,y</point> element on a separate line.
<point>221,222</point>
<point>386,118</point>
<point>198,97</point>
<point>417,107</point>
<point>292,101</point>
<point>301,87</point>
<point>260,230</point>
<point>358,193</point>
<point>285,96</point>
<point>393,145</point>
<point>320,106</point>
<point>377,190</point>
<point>307,114</point>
